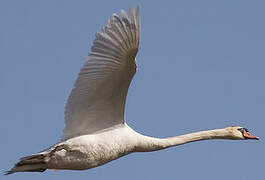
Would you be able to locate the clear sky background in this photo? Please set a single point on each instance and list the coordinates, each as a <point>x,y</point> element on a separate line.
<point>201,65</point>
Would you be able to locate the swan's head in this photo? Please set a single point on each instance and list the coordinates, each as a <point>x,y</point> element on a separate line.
<point>241,133</point>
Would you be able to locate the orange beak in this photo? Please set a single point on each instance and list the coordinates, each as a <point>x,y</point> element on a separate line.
<point>249,136</point>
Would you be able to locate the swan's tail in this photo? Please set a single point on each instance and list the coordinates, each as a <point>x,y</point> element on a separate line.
<point>33,163</point>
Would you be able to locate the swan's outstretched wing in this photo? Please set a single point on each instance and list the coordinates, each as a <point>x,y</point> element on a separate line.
<point>97,100</point>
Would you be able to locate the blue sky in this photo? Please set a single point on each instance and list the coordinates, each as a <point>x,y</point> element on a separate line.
<point>200,66</point>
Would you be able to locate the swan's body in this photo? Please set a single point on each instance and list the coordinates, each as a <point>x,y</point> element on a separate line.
<point>87,151</point>
<point>96,131</point>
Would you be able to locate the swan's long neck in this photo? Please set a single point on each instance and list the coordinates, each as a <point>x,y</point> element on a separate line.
<point>152,144</point>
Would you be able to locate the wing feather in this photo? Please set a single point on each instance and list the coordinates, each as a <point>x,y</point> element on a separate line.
<point>97,100</point>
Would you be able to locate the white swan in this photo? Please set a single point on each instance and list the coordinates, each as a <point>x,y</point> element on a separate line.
<point>95,131</point>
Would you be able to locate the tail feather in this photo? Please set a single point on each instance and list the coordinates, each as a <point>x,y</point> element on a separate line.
<point>33,163</point>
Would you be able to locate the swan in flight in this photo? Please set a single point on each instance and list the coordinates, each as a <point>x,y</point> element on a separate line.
<point>95,129</point>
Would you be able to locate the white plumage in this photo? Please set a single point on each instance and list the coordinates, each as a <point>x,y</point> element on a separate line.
<point>98,98</point>
<point>95,130</point>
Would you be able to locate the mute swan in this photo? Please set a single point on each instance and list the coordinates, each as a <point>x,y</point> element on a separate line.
<point>96,131</point>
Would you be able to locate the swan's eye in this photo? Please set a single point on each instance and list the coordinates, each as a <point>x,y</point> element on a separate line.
<point>243,129</point>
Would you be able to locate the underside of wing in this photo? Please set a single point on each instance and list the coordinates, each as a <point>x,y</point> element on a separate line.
<point>97,100</point>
